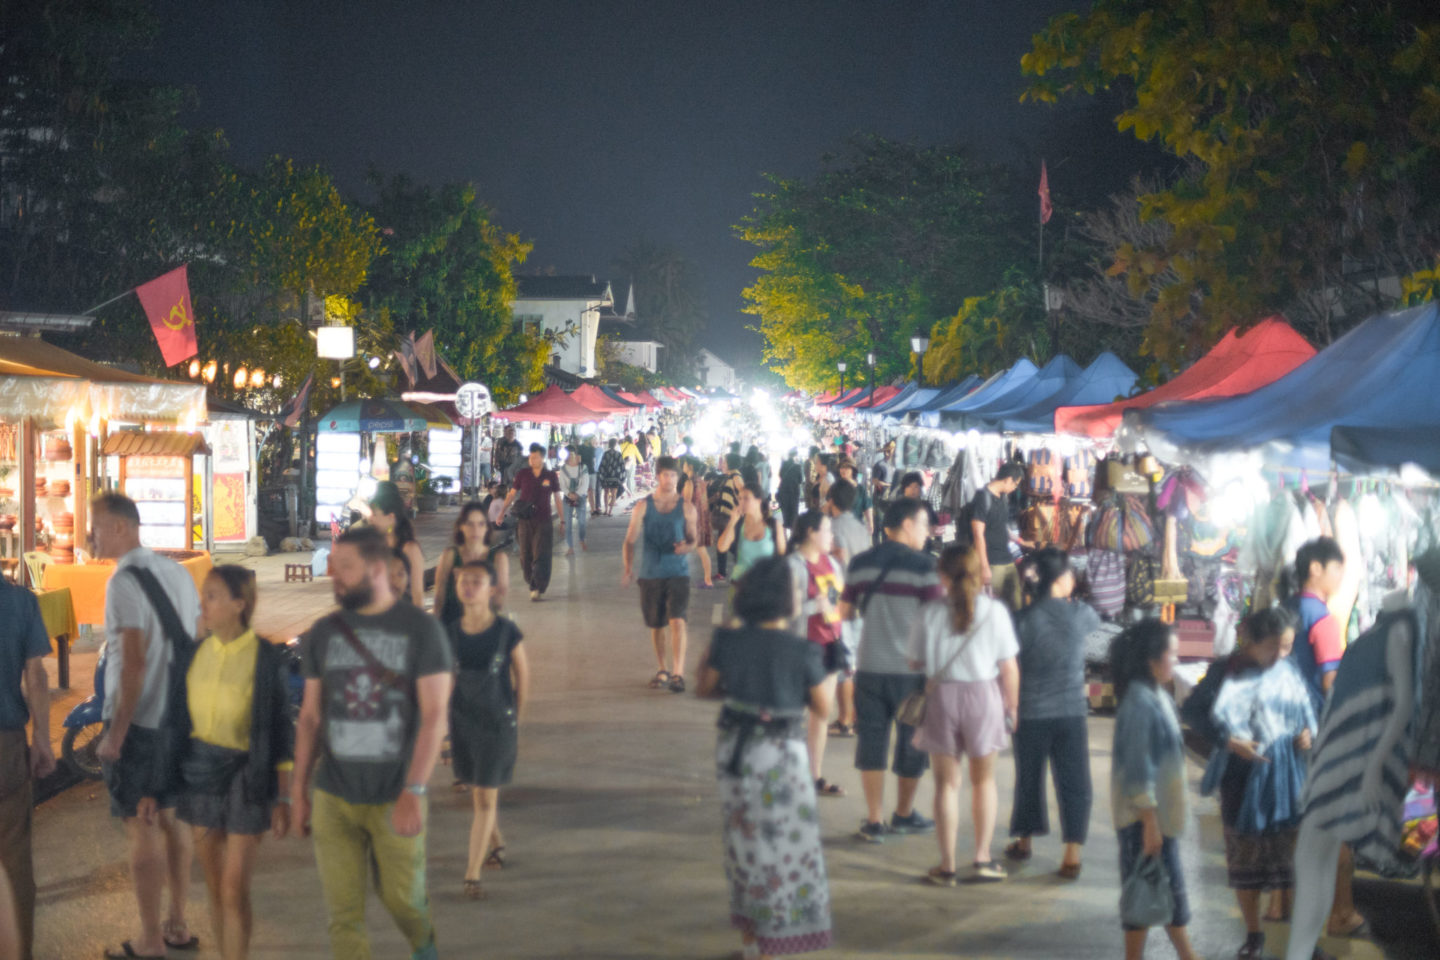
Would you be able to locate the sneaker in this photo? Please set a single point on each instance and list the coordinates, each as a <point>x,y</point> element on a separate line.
<point>871,832</point>
<point>534,596</point>
<point>914,823</point>
<point>990,872</point>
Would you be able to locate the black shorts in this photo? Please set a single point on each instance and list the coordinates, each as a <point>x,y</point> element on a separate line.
<point>877,697</point>
<point>837,657</point>
<point>663,600</point>
<point>140,772</point>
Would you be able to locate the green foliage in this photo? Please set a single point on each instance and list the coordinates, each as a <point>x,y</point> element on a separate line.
<point>1312,130</point>
<point>871,250</point>
<point>449,266</point>
<point>990,331</point>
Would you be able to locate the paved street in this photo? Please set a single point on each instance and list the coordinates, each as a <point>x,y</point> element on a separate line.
<point>613,833</point>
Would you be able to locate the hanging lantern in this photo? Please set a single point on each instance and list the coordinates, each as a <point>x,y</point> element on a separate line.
<point>195,369</point>
<point>242,377</point>
<point>257,378</point>
<point>276,381</point>
<point>335,382</point>
<point>209,370</point>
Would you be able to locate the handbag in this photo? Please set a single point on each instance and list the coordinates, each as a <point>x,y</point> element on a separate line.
<point>911,710</point>
<point>1145,897</point>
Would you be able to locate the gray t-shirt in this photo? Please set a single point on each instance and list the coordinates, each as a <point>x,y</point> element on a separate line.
<point>850,534</point>
<point>1052,658</point>
<point>899,581</point>
<point>128,608</point>
<point>368,730</point>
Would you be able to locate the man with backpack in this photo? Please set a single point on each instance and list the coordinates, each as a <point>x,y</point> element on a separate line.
<point>151,612</point>
<point>725,497</point>
<point>987,520</point>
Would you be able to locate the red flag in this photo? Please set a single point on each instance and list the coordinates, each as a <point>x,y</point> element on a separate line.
<point>293,412</point>
<point>166,301</point>
<point>1046,210</point>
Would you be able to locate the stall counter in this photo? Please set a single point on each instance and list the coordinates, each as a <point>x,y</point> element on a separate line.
<point>87,582</point>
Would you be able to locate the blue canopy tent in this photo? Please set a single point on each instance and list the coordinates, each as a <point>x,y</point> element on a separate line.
<point>981,414</point>
<point>1106,378</point>
<point>932,398</point>
<point>1360,449</point>
<point>906,392</point>
<point>997,386</point>
<point>610,392</point>
<point>1381,374</point>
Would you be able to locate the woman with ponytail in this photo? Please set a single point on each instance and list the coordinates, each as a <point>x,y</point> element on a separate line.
<point>1053,706</point>
<point>965,644</point>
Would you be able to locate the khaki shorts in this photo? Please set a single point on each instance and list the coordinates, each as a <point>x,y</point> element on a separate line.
<point>1005,585</point>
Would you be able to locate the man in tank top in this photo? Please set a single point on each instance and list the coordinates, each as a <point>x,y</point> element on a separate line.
<point>664,525</point>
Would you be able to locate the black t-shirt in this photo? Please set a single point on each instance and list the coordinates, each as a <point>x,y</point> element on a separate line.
<point>368,729</point>
<point>993,512</point>
<point>538,490</point>
<point>477,651</point>
<point>768,669</point>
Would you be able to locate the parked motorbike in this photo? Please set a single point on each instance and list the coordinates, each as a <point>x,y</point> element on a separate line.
<point>79,749</point>
<point>81,743</point>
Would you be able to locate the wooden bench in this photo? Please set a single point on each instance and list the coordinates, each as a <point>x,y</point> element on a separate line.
<point>298,572</point>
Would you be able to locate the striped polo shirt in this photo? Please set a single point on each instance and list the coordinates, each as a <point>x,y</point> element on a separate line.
<point>910,583</point>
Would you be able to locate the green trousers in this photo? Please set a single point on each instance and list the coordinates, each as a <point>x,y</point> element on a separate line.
<point>350,838</point>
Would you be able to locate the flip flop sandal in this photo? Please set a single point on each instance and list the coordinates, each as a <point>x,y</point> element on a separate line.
<point>496,858</point>
<point>1069,871</point>
<point>677,683</point>
<point>824,788</point>
<point>1361,931</point>
<point>660,680</point>
<point>127,952</point>
<point>173,942</point>
<point>1016,852</point>
<point>474,890</point>
<point>941,878</point>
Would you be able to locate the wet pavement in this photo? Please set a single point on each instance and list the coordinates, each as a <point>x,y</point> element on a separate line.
<point>613,833</point>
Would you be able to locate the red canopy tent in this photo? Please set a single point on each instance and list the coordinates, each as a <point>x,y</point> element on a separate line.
<point>1237,364</point>
<point>677,395</point>
<point>589,395</point>
<point>649,399</point>
<point>642,399</point>
<point>552,406</point>
<point>881,395</point>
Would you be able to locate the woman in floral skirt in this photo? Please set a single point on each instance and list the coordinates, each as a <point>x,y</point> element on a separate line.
<point>779,894</point>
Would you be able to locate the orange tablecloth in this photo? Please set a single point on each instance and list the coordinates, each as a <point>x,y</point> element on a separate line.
<point>87,583</point>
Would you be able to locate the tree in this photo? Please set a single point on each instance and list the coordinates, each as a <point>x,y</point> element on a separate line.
<point>449,266</point>
<point>874,248</point>
<point>1313,132</point>
<point>668,302</point>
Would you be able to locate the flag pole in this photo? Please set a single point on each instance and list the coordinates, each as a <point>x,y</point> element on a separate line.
<point>108,302</point>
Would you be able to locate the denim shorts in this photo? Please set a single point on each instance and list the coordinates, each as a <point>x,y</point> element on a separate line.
<point>1132,845</point>
<point>877,697</point>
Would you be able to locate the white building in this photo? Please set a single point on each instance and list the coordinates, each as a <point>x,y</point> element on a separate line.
<point>569,308</point>
<point>639,353</point>
<point>714,372</point>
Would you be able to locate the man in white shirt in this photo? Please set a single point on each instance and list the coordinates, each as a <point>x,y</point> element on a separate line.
<point>133,748</point>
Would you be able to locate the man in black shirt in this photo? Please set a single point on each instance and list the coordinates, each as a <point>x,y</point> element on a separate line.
<point>989,515</point>
<point>535,492</point>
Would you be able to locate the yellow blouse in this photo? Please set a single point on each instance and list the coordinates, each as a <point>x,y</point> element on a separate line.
<point>220,689</point>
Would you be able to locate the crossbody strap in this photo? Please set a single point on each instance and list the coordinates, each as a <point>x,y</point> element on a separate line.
<point>874,585</point>
<point>388,677</point>
<point>955,657</point>
<point>164,609</point>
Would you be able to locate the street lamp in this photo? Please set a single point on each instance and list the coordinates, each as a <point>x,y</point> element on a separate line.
<point>841,366</point>
<point>918,345</point>
<point>870,362</point>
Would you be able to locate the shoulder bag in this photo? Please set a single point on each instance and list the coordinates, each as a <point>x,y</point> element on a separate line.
<point>911,710</point>
<point>175,725</point>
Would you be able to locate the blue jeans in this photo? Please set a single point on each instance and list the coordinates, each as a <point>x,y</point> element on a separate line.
<point>575,515</point>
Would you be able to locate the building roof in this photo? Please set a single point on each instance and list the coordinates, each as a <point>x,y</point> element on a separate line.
<point>131,443</point>
<point>715,357</point>
<point>585,287</point>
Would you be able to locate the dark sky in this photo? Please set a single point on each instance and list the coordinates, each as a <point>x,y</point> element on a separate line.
<point>589,124</point>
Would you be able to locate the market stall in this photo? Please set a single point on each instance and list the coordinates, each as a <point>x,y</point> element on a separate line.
<point>345,464</point>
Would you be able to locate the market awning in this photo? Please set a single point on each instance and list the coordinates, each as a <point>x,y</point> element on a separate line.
<point>1106,378</point>
<point>164,443</point>
<point>553,405</point>
<point>370,416</point>
<point>629,406</point>
<point>961,397</point>
<point>1359,449</point>
<point>1380,374</point>
<point>592,397</point>
<point>52,385</point>
<point>1238,364</point>
<point>435,418</point>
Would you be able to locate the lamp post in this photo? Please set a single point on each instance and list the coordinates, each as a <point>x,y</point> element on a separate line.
<point>918,345</point>
<point>841,366</point>
<point>870,362</point>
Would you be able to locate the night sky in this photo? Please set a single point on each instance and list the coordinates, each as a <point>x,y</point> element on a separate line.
<point>587,125</point>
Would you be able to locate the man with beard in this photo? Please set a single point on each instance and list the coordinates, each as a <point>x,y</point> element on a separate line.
<point>377,688</point>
